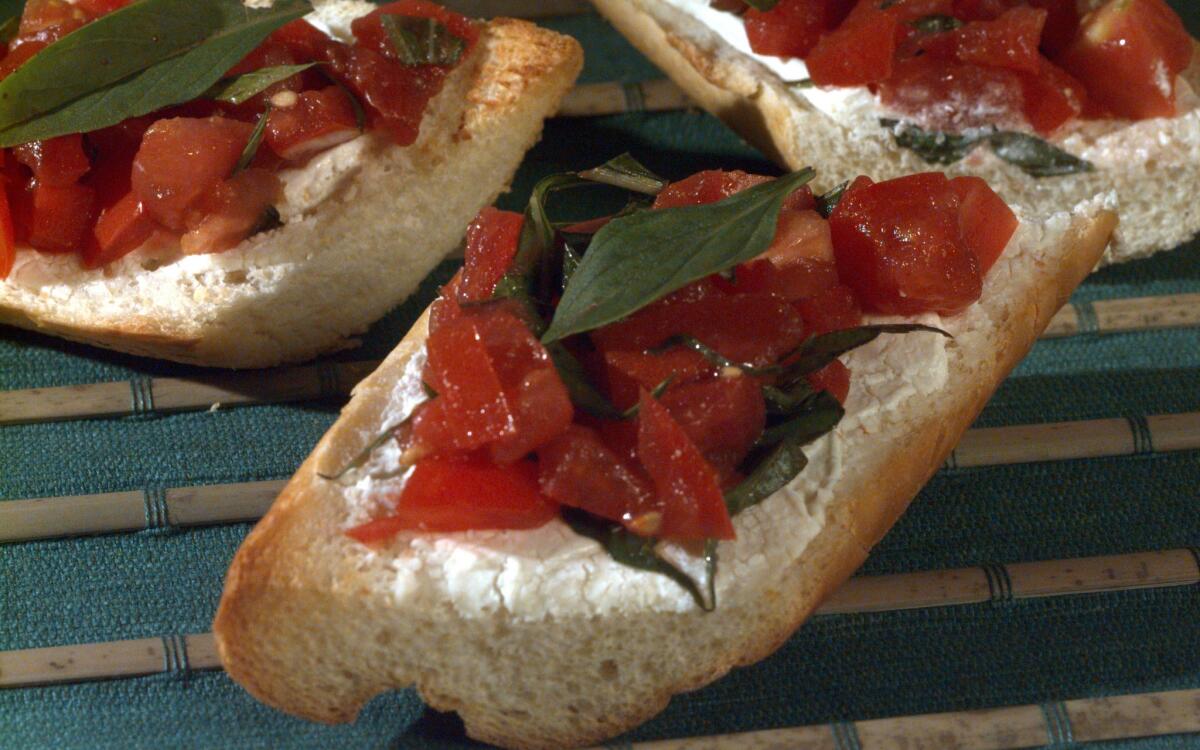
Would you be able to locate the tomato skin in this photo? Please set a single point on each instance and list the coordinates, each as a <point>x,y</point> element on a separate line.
<point>8,243</point>
<point>301,38</point>
<point>57,162</point>
<point>320,119</point>
<point>369,30</point>
<point>986,221</point>
<point>579,470</point>
<point>1128,53</point>
<point>1053,97</point>
<point>61,217</point>
<point>858,52</point>
<point>793,27</point>
<point>461,493</point>
<point>627,373</point>
<point>722,416</point>
<point>1009,41</point>
<point>832,309</point>
<point>181,160</point>
<point>230,212</point>
<point>490,247</point>
<point>952,97</point>
<point>899,246</point>
<point>687,486</point>
<point>121,228</point>
<point>834,378</point>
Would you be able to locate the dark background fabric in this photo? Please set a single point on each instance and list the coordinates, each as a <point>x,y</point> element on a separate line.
<point>162,582</point>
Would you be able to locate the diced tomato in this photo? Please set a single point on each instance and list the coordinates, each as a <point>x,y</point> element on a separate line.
<point>1061,23</point>
<point>986,221</point>
<point>904,11</point>
<point>445,307</point>
<point>708,186</point>
<point>834,378</point>
<point>579,470</point>
<point>686,485</point>
<point>58,161</point>
<point>301,38</point>
<point>61,217</point>
<point>319,119</point>
<point>18,54</point>
<point>369,30</point>
<point>1128,53</point>
<point>627,373</point>
<point>121,228</point>
<point>792,27</point>
<point>942,95</point>
<point>723,417</point>
<point>899,245</point>
<point>471,408</point>
<point>113,150</point>
<point>8,244</point>
<point>538,399</point>
<point>491,245</point>
<point>858,52</point>
<point>797,279</point>
<point>50,20</point>
<point>754,328</point>
<point>831,309</point>
<point>462,493</point>
<point>96,8</point>
<point>1053,97</point>
<point>1010,41</point>
<point>980,10</point>
<point>800,235</point>
<point>230,212</point>
<point>181,160</point>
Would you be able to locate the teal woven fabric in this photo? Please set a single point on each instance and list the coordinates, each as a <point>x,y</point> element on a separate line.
<point>836,668</point>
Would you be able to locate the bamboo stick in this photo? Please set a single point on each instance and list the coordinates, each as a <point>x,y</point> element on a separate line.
<point>1057,724</point>
<point>937,588</point>
<point>332,380</point>
<point>596,99</point>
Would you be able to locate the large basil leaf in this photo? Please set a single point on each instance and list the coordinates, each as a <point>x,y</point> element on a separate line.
<point>639,258</point>
<point>218,34</point>
<point>786,460</point>
<point>638,552</point>
<point>1032,155</point>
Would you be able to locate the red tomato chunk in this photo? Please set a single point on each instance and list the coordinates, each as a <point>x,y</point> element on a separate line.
<point>917,244</point>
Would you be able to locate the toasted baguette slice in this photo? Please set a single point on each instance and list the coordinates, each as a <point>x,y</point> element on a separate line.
<point>1153,165</point>
<point>365,222</point>
<point>538,638</point>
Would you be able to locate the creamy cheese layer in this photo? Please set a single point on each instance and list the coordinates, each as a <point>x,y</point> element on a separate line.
<point>1105,143</point>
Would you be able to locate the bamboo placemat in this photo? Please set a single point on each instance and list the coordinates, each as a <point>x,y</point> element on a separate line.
<point>1149,452</point>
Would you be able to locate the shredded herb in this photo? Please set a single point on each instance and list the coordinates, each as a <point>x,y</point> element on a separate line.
<point>656,392</point>
<point>935,24</point>
<point>269,220</point>
<point>819,351</point>
<point>628,173</point>
<point>256,137</point>
<point>712,355</point>
<point>422,41</point>
<point>365,454</point>
<point>763,5</point>
<point>826,202</point>
<point>244,87</point>
<point>1032,155</point>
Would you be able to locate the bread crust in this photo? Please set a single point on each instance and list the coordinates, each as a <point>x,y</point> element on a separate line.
<point>304,629</point>
<point>316,299</point>
<point>759,108</point>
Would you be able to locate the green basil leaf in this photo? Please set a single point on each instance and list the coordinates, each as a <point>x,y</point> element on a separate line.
<point>10,19</point>
<point>818,414</point>
<point>801,83</point>
<point>422,41</point>
<point>360,114</point>
<point>244,87</point>
<point>228,30</point>
<point>639,258</point>
<point>571,261</point>
<point>787,459</point>
<point>656,392</point>
<point>1036,157</point>
<point>819,351</point>
<point>583,394</point>
<point>628,173</point>
<point>1032,155</point>
<point>256,137</point>
<point>789,400</point>
<point>762,4</point>
<point>635,551</point>
<point>826,202</point>
<point>935,24</point>
<point>933,147</point>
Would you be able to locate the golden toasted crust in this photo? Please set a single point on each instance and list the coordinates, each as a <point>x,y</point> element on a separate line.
<point>306,627</point>
<point>322,285</point>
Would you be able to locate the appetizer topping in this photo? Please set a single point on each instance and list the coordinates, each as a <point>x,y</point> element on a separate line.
<point>178,140</point>
<point>688,348</point>
<point>954,65</point>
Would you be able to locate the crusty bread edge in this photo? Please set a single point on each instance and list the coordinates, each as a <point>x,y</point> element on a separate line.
<point>260,587</point>
<point>783,130</point>
<point>534,68</point>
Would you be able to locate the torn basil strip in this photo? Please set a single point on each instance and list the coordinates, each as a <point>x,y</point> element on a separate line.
<point>1032,155</point>
<point>422,41</point>
<point>628,173</point>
